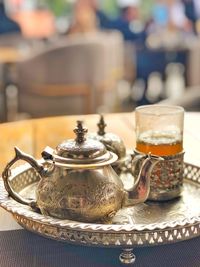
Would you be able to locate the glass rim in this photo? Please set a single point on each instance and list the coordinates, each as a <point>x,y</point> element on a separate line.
<point>149,109</point>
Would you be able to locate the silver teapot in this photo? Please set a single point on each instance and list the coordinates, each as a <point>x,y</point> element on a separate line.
<point>77,181</point>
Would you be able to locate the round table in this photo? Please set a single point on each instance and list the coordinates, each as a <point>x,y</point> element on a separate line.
<point>18,247</point>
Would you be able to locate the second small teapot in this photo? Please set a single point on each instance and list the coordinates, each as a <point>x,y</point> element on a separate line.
<point>77,181</point>
<point>112,143</point>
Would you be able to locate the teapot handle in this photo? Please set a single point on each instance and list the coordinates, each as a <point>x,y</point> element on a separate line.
<point>19,155</point>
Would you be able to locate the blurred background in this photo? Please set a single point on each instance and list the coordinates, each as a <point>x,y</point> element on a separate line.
<point>67,57</point>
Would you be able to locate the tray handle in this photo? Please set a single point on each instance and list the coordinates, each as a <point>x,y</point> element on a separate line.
<point>19,155</point>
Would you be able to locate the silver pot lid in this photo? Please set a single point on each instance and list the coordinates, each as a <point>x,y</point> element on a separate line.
<point>80,152</point>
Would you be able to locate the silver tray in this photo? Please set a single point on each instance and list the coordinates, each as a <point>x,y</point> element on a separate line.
<point>146,224</point>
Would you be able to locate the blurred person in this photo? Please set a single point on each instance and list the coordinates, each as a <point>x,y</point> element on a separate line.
<point>7,24</point>
<point>159,18</point>
<point>192,11</point>
<point>88,16</point>
<point>197,8</point>
<point>129,9</point>
<point>177,17</point>
<point>129,21</point>
<point>160,13</point>
<point>168,21</point>
<point>84,17</point>
<point>169,15</point>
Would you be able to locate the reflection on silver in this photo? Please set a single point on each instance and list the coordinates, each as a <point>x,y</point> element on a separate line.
<point>150,223</point>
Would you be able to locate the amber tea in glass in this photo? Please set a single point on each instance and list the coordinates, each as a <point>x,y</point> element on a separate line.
<point>159,131</point>
<point>161,143</point>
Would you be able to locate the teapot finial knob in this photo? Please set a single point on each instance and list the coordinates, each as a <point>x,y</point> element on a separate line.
<point>101,125</point>
<point>80,132</point>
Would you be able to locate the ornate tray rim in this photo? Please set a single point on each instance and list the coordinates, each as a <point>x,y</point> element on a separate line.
<point>128,234</point>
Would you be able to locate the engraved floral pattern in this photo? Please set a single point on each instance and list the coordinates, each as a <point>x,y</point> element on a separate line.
<point>177,222</point>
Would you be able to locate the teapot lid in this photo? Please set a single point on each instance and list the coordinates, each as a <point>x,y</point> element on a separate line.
<point>80,148</point>
<point>80,151</point>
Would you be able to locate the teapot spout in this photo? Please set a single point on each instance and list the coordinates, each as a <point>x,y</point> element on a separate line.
<point>139,192</point>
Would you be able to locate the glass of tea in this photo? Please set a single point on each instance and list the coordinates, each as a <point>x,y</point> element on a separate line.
<point>159,131</point>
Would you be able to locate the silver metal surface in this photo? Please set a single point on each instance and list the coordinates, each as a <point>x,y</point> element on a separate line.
<point>127,256</point>
<point>84,195</point>
<point>166,177</point>
<point>147,224</point>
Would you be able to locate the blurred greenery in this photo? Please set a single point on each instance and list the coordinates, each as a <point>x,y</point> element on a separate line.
<point>146,8</point>
<point>58,7</point>
<point>110,7</point>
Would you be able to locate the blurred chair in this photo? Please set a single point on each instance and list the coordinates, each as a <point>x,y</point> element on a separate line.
<point>69,77</point>
<point>112,67</point>
<point>112,59</point>
<point>12,40</point>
